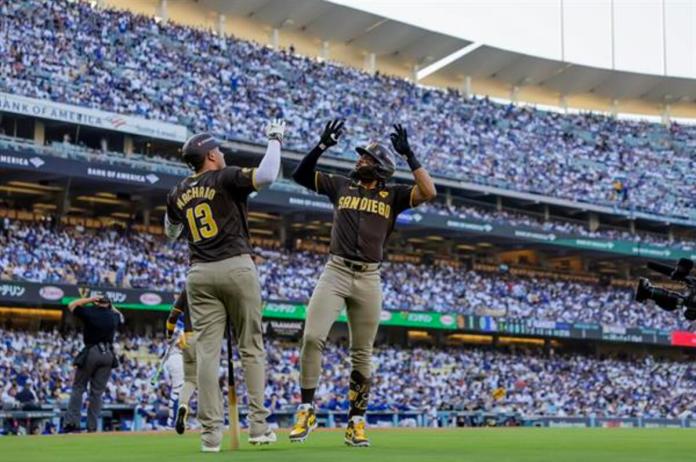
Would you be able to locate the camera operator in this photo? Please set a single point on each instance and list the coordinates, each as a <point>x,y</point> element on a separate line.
<point>95,361</point>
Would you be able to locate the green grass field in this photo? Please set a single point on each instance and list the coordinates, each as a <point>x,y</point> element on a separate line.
<point>467,445</point>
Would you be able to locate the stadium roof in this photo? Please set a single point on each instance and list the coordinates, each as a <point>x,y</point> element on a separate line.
<point>387,37</point>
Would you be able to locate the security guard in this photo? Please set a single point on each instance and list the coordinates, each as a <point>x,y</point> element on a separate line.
<point>366,208</point>
<point>95,361</point>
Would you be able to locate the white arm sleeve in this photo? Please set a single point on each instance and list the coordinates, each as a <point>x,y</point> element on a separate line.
<point>267,171</point>
<point>171,230</point>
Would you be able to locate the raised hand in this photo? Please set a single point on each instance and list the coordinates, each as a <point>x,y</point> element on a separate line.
<point>332,132</point>
<point>399,139</point>
<point>275,130</point>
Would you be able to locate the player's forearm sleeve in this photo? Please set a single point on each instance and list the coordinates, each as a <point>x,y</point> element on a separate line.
<point>171,230</point>
<point>267,171</point>
<point>304,173</point>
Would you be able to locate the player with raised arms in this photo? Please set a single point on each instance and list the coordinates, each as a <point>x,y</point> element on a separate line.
<point>365,211</point>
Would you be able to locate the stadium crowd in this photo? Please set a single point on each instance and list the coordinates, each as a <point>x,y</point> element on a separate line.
<point>514,218</point>
<point>117,61</point>
<point>533,383</point>
<point>38,252</point>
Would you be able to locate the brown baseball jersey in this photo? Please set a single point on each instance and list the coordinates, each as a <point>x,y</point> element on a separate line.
<point>363,218</point>
<point>212,206</point>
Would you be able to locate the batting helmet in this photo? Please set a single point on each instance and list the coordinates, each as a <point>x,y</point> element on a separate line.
<point>197,147</point>
<point>385,166</point>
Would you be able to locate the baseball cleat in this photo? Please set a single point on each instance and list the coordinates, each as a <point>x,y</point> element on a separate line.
<point>181,416</point>
<point>355,433</point>
<point>305,422</point>
<point>265,438</point>
<point>205,448</point>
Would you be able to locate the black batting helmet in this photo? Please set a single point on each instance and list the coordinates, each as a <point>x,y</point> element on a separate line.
<point>385,166</point>
<point>197,147</point>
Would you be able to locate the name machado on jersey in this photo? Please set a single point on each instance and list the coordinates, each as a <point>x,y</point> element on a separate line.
<point>212,206</point>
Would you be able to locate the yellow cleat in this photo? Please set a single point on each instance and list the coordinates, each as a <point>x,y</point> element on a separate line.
<point>305,422</point>
<point>355,433</point>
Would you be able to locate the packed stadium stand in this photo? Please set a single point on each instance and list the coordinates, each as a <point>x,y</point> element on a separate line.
<point>114,60</point>
<point>506,381</point>
<point>112,258</point>
<point>588,349</point>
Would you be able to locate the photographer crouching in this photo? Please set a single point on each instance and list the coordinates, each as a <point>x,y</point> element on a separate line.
<point>95,361</point>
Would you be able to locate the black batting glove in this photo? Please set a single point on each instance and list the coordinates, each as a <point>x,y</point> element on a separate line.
<point>399,139</point>
<point>332,132</point>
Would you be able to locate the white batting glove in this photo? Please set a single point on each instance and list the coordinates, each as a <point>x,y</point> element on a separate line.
<point>275,129</point>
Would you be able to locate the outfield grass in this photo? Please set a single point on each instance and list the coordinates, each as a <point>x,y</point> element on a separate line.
<point>467,445</point>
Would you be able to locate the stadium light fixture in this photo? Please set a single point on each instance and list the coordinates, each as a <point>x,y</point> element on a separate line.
<point>11,312</point>
<point>23,184</point>
<point>41,205</point>
<point>470,338</point>
<point>265,232</point>
<point>520,341</point>
<point>100,200</point>
<point>418,334</point>
<point>13,189</point>
<point>267,216</point>
<point>447,60</point>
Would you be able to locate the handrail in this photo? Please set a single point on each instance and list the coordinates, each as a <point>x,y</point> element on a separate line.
<point>475,183</point>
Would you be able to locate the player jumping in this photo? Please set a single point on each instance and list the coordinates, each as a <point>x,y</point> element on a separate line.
<point>366,208</point>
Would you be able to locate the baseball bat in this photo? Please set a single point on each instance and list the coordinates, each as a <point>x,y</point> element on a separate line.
<point>164,358</point>
<point>232,394</point>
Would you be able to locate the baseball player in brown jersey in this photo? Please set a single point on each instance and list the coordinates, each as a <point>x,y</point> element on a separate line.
<point>365,211</point>
<point>210,208</point>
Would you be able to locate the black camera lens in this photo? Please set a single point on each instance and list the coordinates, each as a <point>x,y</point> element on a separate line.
<point>665,299</point>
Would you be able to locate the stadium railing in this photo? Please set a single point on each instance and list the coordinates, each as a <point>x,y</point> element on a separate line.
<point>84,154</point>
<point>120,417</point>
<point>482,184</point>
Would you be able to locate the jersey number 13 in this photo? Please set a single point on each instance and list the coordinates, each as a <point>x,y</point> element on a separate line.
<point>201,222</point>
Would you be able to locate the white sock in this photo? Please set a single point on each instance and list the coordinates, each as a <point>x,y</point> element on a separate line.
<point>305,407</point>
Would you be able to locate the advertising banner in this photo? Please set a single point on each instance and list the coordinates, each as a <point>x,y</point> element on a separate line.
<point>45,295</point>
<point>46,109</point>
<point>121,174</point>
<point>682,338</point>
<point>14,293</point>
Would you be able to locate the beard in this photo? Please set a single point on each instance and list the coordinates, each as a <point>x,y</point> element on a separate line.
<point>366,173</point>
